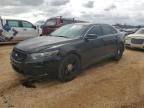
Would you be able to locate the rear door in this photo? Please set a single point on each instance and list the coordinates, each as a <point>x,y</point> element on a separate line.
<point>29,31</point>
<point>110,39</point>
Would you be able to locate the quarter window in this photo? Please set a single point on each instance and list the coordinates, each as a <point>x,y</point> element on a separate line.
<point>13,23</point>
<point>26,24</point>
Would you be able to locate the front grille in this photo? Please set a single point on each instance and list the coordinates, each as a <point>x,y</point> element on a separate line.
<point>137,41</point>
<point>19,55</point>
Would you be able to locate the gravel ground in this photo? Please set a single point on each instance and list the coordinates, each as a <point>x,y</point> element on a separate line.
<point>107,84</point>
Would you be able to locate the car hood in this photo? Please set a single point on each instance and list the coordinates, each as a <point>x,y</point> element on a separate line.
<point>40,43</point>
<point>136,36</point>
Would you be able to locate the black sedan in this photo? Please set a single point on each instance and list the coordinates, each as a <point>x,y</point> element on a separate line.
<point>67,50</point>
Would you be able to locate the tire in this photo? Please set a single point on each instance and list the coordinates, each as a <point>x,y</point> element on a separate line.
<point>119,52</point>
<point>69,68</point>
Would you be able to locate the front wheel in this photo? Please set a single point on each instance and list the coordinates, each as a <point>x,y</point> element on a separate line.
<point>119,52</point>
<point>69,68</point>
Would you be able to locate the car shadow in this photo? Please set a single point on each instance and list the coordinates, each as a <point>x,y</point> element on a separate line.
<point>8,43</point>
<point>31,82</point>
<point>98,64</point>
<point>53,81</point>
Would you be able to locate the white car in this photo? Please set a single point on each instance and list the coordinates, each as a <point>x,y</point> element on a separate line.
<point>13,30</point>
<point>135,40</point>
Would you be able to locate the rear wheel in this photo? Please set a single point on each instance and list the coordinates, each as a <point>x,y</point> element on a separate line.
<point>119,52</point>
<point>69,68</point>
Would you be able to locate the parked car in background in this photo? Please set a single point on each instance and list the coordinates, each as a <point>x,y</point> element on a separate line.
<point>53,23</point>
<point>135,40</point>
<point>13,30</point>
<point>67,50</point>
<point>129,31</point>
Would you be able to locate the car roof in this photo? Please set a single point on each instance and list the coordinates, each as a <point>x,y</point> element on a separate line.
<point>7,17</point>
<point>60,18</point>
<point>12,18</point>
<point>71,19</point>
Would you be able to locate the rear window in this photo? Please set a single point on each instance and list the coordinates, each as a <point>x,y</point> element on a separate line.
<point>50,22</point>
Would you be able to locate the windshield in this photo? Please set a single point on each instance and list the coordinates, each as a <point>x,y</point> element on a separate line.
<point>141,31</point>
<point>50,22</point>
<point>70,31</point>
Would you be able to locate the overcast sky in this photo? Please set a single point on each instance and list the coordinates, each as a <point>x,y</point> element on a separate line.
<point>101,11</point>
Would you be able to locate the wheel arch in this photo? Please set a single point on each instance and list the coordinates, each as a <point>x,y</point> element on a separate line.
<point>73,52</point>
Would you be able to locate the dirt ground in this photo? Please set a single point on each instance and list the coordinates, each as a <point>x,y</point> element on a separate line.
<point>107,84</point>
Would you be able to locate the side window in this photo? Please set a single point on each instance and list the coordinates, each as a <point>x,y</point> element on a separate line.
<point>13,23</point>
<point>67,22</point>
<point>96,30</point>
<point>108,30</point>
<point>26,24</point>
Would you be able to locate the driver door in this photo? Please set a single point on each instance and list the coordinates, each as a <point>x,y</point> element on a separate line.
<point>94,45</point>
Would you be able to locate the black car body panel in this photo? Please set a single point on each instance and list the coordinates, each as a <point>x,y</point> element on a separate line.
<point>88,50</point>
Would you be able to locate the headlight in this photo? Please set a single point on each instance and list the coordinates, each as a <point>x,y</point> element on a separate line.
<point>36,56</point>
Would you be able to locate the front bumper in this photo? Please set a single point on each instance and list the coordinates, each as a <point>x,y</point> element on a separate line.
<point>48,67</point>
<point>129,44</point>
